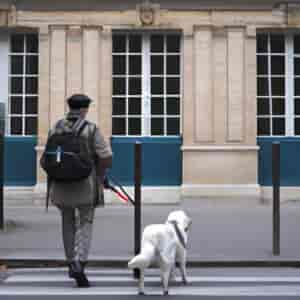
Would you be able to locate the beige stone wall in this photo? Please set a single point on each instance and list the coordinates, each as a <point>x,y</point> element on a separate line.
<point>219,80</point>
<point>69,63</point>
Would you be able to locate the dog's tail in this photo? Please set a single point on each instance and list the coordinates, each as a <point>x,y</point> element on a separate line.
<point>142,260</point>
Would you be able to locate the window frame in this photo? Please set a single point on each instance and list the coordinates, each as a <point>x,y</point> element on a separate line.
<point>25,54</point>
<point>289,82</point>
<point>146,76</point>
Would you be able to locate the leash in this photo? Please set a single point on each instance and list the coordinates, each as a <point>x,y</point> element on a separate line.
<point>125,196</point>
<point>179,234</point>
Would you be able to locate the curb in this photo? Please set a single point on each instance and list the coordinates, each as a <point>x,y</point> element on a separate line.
<point>122,263</point>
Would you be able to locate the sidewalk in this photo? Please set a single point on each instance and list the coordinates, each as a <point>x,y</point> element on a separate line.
<point>222,231</point>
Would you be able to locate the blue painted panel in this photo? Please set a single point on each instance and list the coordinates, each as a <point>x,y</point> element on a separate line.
<point>20,161</point>
<point>289,161</point>
<point>161,160</point>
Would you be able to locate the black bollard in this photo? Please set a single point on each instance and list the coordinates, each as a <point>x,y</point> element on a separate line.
<point>137,201</point>
<point>1,179</point>
<point>276,196</point>
<point>2,136</point>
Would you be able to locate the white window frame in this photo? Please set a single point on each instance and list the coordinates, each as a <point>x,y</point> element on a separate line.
<point>23,115</point>
<point>4,69</point>
<point>289,85</point>
<point>146,85</point>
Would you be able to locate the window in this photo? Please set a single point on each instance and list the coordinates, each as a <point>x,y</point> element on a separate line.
<point>278,84</point>
<point>23,85</point>
<point>146,84</point>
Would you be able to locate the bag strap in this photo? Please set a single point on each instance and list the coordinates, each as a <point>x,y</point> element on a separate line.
<point>49,181</point>
<point>78,126</point>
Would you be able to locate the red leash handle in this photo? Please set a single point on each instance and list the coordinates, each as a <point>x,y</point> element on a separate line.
<point>123,197</point>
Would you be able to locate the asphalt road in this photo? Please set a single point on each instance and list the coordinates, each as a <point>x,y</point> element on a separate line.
<point>204,283</point>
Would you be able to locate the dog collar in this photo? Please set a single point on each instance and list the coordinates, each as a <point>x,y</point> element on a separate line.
<point>179,234</point>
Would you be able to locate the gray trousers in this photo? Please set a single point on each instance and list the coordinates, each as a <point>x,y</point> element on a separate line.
<point>77,226</point>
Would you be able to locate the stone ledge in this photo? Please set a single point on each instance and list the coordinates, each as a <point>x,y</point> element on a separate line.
<point>221,190</point>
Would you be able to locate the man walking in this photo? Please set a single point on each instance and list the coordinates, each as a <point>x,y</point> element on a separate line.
<point>77,199</point>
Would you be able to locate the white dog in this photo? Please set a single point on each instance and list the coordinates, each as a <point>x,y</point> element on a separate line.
<point>164,245</point>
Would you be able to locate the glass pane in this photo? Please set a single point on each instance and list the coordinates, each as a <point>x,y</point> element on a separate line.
<point>135,65</point>
<point>31,85</point>
<point>297,65</point>
<point>157,43</point>
<point>157,126</point>
<point>119,106</point>
<point>277,65</point>
<point>278,126</point>
<point>17,43</point>
<point>135,43</point>
<point>157,65</point>
<point>32,44</point>
<point>278,88</point>
<point>297,86</point>
<point>262,87</point>
<point>32,65</point>
<point>16,65</point>
<point>134,126</point>
<point>16,85</point>
<point>134,106</point>
<point>119,43</point>
<point>173,43</point>
<point>135,86</point>
<point>278,106</point>
<point>31,105</point>
<point>262,43</point>
<point>173,86</point>
<point>157,106</point>
<point>297,107</point>
<point>277,43</point>
<point>16,125</point>
<point>297,126</point>
<point>31,125</point>
<point>16,104</point>
<point>119,64</point>
<point>263,126</point>
<point>173,65</point>
<point>263,107</point>
<point>297,44</point>
<point>262,64</point>
<point>119,126</point>
<point>119,86</point>
<point>173,126</point>
<point>173,106</point>
<point>157,85</point>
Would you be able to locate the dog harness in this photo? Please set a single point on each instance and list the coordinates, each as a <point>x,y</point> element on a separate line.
<point>179,234</point>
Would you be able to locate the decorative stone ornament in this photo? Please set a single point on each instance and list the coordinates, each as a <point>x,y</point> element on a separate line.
<point>147,12</point>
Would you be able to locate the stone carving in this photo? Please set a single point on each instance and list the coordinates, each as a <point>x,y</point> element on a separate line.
<point>147,12</point>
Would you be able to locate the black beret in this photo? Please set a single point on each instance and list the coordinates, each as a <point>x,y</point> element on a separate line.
<point>79,101</point>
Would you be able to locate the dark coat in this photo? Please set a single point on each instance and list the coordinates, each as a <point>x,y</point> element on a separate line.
<point>89,191</point>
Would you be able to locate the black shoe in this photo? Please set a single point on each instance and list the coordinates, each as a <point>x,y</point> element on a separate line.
<point>73,268</point>
<point>77,273</point>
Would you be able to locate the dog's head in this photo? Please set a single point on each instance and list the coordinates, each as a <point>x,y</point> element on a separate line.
<point>180,217</point>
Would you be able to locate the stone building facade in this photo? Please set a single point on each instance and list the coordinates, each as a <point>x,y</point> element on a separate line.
<point>214,69</point>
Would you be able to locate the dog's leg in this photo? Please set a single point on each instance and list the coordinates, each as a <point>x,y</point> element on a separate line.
<point>165,271</point>
<point>141,282</point>
<point>182,267</point>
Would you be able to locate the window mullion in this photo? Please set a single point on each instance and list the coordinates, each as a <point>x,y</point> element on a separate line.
<point>127,87</point>
<point>269,85</point>
<point>289,86</point>
<point>146,86</point>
